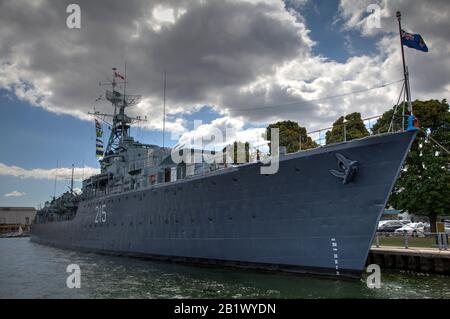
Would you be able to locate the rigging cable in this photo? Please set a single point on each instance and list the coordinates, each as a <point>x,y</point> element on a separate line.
<point>437,143</point>
<point>395,109</point>
<point>324,98</point>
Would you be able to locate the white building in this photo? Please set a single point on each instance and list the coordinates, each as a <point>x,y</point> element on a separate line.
<point>11,218</point>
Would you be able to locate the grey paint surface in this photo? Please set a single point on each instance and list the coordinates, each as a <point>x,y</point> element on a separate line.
<point>290,220</point>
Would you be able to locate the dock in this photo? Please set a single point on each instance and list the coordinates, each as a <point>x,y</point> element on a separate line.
<point>427,260</point>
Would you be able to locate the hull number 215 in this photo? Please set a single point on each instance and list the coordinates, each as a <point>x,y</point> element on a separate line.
<point>100,214</point>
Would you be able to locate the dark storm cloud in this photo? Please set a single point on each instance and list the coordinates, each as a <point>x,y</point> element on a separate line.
<point>236,55</point>
<point>212,47</point>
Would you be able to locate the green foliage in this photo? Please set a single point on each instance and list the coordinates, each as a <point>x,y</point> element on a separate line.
<point>237,150</point>
<point>354,128</point>
<point>423,187</point>
<point>290,133</point>
<point>383,124</point>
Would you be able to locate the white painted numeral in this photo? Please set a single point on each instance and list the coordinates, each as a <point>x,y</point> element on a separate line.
<point>100,214</point>
<point>103,213</point>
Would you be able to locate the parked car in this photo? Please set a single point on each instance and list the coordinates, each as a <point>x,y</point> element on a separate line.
<point>382,222</point>
<point>391,225</point>
<point>414,229</point>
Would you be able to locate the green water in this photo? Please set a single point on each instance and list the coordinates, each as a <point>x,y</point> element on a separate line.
<point>29,270</point>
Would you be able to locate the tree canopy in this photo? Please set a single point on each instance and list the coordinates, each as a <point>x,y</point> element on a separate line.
<point>423,187</point>
<point>290,134</point>
<point>354,128</point>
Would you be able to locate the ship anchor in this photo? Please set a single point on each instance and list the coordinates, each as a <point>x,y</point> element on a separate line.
<point>348,168</point>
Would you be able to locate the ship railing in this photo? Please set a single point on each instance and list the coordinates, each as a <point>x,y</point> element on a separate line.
<point>415,239</point>
<point>256,154</point>
<point>320,136</point>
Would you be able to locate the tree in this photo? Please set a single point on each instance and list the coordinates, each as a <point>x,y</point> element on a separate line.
<point>354,128</point>
<point>390,122</point>
<point>423,187</point>
<point>239,150</point>
<point>290,133</point>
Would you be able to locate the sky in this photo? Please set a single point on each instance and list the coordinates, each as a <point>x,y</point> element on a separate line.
<point>231,64</point>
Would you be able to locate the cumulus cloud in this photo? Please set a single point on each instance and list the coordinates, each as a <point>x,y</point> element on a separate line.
<point>62,173</point>
<point>429,72</point>
<point>15,194</point>
<point>251,60</point>
<point>206,48</point>
<point>220,133</point>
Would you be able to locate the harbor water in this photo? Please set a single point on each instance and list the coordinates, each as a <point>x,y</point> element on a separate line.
<point>29,270</point>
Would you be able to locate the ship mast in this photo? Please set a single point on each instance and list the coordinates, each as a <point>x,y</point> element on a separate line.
<point>120,127</point>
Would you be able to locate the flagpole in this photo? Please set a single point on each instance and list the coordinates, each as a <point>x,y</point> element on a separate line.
<point>164,110</point>
<point>405,70</point>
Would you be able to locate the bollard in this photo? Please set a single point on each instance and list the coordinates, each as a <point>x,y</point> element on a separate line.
<point>442,241</point>
<point>439,241</point>
<point>345,132</point>
<point>377,240</point>
<point>406,239</point>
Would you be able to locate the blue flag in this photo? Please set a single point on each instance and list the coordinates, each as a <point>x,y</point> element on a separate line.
<point>414,41</point>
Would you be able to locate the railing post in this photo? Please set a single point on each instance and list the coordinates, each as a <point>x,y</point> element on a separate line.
<point>345,133</point>
<point>406,239</point>
<point>439,241</point>
<point>377,240</point>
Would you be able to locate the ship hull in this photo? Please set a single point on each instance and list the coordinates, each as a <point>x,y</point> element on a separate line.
<point>301,219</point>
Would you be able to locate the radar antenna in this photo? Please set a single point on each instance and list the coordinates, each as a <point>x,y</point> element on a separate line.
<point>120,127</point>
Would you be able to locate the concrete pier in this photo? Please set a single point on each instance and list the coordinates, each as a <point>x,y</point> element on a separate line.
<point>428,260</point>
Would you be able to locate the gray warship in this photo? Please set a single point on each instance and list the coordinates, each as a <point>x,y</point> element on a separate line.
<point>318,214</point>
